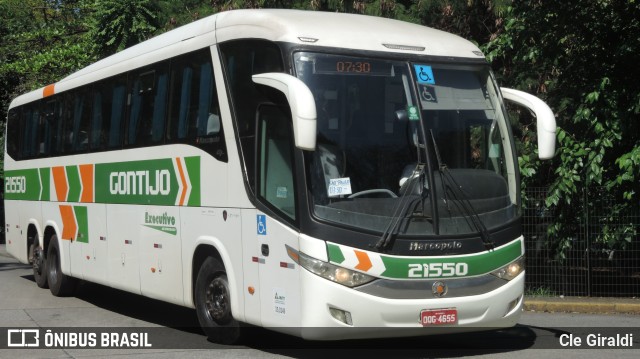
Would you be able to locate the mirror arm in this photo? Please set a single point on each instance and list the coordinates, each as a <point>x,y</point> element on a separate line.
<point>301,102</point>
<point>545,120</point>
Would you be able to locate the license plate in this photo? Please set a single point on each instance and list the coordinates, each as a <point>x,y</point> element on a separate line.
<point>438,316</point>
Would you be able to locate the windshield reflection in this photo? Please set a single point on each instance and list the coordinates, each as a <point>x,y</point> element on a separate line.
<point>367,166</point>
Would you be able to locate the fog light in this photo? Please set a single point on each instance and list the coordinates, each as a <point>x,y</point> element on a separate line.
<point>341,315</point>
<point>511,306</point>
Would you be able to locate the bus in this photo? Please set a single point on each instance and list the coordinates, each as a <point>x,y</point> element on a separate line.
<point>325,175</point>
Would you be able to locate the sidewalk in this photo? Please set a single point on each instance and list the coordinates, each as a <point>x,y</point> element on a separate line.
<point>583,305</point>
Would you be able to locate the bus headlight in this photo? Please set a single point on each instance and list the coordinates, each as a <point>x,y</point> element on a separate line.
<point>333,272</point>
<point>511,270</point>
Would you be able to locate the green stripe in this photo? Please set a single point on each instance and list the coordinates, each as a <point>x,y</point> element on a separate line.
<point>83,223</point>
<point>165,229</point>
<point>478,264</point>
<point>193,168</point>
<point>335,254</point>
<point>22,184</point>
<point>133,182</point>
<point>137,182</point>
<point>44,179</point>
<point>73,177</point>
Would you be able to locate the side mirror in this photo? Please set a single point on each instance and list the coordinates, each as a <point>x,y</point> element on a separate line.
<point>545,120</point>
<point>302,103</point>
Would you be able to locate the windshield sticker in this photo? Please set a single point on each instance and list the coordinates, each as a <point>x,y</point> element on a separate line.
<point>412,111</point>
<point>428,93</point>
<point>424,74</point>
<point>339,186</point>
<point>281,192</point>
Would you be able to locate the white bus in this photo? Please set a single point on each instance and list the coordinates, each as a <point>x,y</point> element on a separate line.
<point>301,171</point>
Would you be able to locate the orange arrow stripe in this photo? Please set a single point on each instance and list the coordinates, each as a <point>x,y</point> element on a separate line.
<point>183,180</point>
<point>49,90</point>
<point>364,263</point>
<point>69,227</point>
<point>86,176</point>
<point>60,182</point>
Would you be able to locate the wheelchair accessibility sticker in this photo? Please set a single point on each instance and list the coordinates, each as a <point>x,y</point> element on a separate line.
<point>262,224</point>
<point>424,74</point>
<point>428,93</point>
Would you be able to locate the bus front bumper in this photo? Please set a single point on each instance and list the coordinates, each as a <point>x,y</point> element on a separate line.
<point>370,316</point>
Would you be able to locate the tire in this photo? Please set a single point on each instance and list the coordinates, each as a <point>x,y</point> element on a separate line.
<point>39,263</point>
<point>213,304</point>
<point>60,284</point>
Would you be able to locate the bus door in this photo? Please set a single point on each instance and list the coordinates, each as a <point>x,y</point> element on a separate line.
<point>279,274</point>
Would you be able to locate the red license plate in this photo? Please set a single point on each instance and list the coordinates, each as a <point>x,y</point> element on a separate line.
<point>438,316</point>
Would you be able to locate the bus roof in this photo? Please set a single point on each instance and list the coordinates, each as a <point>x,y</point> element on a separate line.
<point>314,28</point>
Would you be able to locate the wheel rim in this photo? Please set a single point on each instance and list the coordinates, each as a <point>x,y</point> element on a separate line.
<point>37,259</point>
<point>217,300</point>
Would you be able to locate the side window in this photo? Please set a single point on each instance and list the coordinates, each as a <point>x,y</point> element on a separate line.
<point>242,59</point>
<point>275,156</point>
<point>195,112</point>
<point>147,112</point>
<point>78,121</point>
<point>46,128</point>
<point>30,143</point>
<point>13,133</point>
<point>53,110</point>
<point>108,113</point>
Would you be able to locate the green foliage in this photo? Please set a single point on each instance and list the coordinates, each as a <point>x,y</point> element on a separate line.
<point>118,24</point>
<point>581,58</point>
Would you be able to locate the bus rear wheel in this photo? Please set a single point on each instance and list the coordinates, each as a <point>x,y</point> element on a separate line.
<point>60,284</point>
<point>39,263</point>
<point>213,303</point>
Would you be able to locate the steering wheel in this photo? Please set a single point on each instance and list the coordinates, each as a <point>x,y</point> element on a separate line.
<point>371,191</point>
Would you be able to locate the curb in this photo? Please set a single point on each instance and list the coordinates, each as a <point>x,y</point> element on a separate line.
<point>583,305</point>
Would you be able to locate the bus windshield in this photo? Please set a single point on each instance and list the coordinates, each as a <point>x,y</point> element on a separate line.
<point>370,163</point>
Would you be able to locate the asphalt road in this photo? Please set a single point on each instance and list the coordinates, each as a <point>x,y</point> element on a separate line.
<point>97,308</point>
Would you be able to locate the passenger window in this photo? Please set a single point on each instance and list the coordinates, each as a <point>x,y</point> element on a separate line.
<point>47,125</point>
<point>242,59</point>
<point>78,132</point>
<point>13,133</point>
<point>275,153</point>
<point>108,113</point>
<point>30,143</point>
<point>195,112</point>
<point>53,115</point>
<point>148,106</point>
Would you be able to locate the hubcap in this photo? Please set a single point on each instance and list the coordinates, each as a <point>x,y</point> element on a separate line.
<point>217,300</point>
<point>37,259</point>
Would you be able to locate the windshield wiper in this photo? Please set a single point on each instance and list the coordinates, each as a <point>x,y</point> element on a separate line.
<point>461,197</point>
<point>402,211</point>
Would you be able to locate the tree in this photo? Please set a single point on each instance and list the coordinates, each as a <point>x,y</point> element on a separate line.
<point>118,24</point>
<point>582,58</point>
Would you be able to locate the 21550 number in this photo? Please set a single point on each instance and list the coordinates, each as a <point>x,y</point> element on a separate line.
<point>436,270</point>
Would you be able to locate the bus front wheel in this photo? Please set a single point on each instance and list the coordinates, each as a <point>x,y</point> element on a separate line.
<point>213,303</point>
<point>60,284</point>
